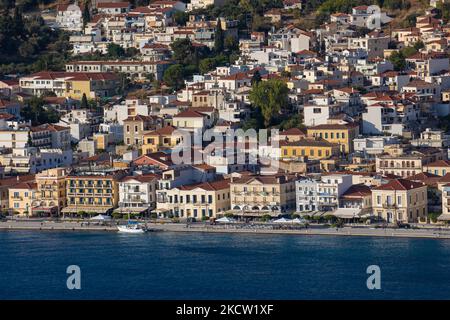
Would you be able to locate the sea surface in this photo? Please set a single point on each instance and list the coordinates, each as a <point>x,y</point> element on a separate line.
<point>164,265</point>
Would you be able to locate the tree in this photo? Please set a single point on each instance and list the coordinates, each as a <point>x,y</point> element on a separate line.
<point>29,141</point>
<point>35,111</point>
<point>206,65</point>
<point>218,37</point>
<point>173,76</point>
<point>180,18</point>
<point>86,14</point>
<point>230,43</point>
<point>271,96</point>
<point>115,51</point>
<point>398,60</point>
<point>256,77</point>
<point>84,102</point>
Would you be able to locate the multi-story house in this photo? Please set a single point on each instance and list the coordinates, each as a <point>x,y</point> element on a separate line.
<point>51,191</point>
<point>134,128</point>
<point>255,196</point>
<point>445,203</point>
<point>69,17</point>
<point>432,138</point>
<point>133,69</point>
<point>330,189</point>
<point>400,200</point>
<point>137,193</point>
<point>358,196</point>
<point>439,168</point>
<point>313,148</point>
<point>202,4</point>
<point>192,121</point>
<point>21,197</point>
<point>306,194</point>
<point>50,136</point>
<point>8,183</point>
<point>200,200</point>
<point>164,138</point>
<point>404,165</point>
<point>390,118</point>
<point>373,145</point>
<point>71,85</point>
<point>113,8</point>
<point>342,134</point>
<point>92,192</point>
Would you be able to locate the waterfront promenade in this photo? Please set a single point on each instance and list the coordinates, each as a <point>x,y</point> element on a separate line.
<point>423,232</point>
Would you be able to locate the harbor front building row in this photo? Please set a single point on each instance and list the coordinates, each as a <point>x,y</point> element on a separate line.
<point>201,194</point>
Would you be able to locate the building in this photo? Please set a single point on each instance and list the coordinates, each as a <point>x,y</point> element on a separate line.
<point>139,70</point>
<point>134,128</point>
<point>432,138</point>
<point>192,120</point>
<point>313,148</point>
<point>7,183</point>
<point>404,165</point>
<point>373,145</point>
<point>199,201</point>
<point>137,193</point>
<point>445,203</point>
<point>160,139</point>
<point>341,134</point>
<point>21,197</point>
<point>92,192</point>
<point>69,17</point>
<point>71,85</point>
<point>306,194</point>
<point>113,8</point>
<point>439,168</point>
<point>256,196</point>
<point>51,192</point>
<point>330,189</point>
<point>358,196</point>
<point>400,200</point>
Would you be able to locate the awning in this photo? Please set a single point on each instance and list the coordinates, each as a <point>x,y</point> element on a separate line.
<point>44,209</point>
<point>444,217</point>
<point>315,214</point>
<point>98,210</point>
<point>347,213</point>
<point>131,210</point>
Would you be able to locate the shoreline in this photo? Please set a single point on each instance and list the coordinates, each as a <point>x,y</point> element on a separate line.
<point>424,233</point>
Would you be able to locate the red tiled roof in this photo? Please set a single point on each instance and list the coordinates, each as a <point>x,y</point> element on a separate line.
<point>439,163</point>
<point>399,184</point>
<point>357,191</point>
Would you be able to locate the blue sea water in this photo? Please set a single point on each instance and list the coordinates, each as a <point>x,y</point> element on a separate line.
<point>219,266</point>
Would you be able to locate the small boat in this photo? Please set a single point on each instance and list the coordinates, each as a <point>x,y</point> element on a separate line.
<point>131,228</point>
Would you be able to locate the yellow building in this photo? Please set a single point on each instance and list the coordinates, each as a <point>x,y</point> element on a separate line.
<point>312,148</point>
<point>51,191</point>
<point>342,134</point>
<point>439,168</point>
<point>254,195</point>
<point>21,197</point>
<point>157,140</point>
<point>102,140</point>
<point>202,200</point>
<point>92,192</point>
<point>71,84</point>
<point>400,200</point>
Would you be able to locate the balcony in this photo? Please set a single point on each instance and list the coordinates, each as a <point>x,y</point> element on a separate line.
<point>389,206</point>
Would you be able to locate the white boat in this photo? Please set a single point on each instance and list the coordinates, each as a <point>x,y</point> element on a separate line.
<point>130,228</point>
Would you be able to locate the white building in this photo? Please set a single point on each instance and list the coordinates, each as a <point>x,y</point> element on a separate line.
<point>69,17</point>
<point>137,193</point>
